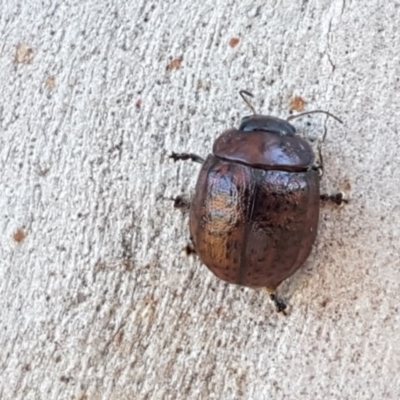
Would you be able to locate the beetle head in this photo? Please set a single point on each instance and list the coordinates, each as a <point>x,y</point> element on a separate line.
<point>263,123</point>
<point>266,123</point>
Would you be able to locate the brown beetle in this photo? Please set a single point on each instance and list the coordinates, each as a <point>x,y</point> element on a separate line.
<point>254,215</point>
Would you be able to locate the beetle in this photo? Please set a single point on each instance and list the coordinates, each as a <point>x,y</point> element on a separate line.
<point>254,215</point>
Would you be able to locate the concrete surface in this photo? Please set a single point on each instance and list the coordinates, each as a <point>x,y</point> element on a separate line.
<point>97,298</point>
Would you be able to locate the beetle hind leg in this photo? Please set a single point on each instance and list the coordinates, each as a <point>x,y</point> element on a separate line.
<point>187,156</point>
<point>280,305</point>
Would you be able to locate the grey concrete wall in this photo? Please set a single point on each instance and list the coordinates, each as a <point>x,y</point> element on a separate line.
<point>97,298</point>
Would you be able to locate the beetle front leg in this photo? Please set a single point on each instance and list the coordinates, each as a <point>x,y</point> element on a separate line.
<point>187,156</point>
<point>337,198</point>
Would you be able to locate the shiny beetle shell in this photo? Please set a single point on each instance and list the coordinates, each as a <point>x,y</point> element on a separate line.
<point>254,215</point>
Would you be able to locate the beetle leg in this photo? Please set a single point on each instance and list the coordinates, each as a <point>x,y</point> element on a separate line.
<point>337,198</point>
<point>181,203</point>
<point>319,169</point>
<point>280,305</point>
<point>189,249</point>
<point>187,156</point>
<point>320,165</point>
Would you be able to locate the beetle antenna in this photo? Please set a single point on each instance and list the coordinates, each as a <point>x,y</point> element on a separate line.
<point>314,112</point>
<point>245,92</point>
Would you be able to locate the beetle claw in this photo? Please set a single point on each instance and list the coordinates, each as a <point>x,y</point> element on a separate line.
<point>181,203</point>
<point>280,305</point>
<point>189,250</point>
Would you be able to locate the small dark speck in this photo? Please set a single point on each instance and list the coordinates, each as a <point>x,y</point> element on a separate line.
<point>324,303</point>
<point>234,42</point>
<point>27,367</point>
<point>19,236</point>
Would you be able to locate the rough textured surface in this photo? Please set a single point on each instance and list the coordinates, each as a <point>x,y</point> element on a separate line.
<point>97,298</point>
